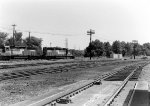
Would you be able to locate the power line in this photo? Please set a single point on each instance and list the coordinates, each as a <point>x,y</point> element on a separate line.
<point>104,38</point>
<point>57,34</point>
<point>45,33</point>
<point>6,28</point>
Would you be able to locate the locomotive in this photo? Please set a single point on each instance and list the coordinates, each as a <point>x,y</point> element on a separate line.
<point>22,52</point>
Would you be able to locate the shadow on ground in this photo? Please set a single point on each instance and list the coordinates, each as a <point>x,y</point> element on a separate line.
<point>140,98</point>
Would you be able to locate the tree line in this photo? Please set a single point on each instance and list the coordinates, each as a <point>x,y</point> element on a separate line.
<point>99,48</point>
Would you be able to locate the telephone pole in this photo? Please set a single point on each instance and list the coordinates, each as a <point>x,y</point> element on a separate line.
<point>66,43</point>
<point>134,46</point>
<point>29,39</point>
<point>66,47</point>
<point>14,34</point>
<point>90,32</point>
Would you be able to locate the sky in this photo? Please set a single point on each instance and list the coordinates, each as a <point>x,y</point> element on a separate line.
<point>57,20</point>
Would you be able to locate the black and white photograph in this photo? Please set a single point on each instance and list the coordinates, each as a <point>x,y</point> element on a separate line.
<point>74,52</point>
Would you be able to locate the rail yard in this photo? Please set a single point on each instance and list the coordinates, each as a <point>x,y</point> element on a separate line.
<point>74,53</point>
<point>74,82</point>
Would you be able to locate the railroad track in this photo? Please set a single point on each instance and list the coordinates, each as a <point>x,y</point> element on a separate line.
<point>131,71</point>
<point>133,76</point>
<point>35,64</point>
<point>101,62</point>
<point>52,70</point>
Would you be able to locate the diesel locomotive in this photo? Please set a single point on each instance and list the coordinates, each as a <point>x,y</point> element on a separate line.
<point>22,52</point>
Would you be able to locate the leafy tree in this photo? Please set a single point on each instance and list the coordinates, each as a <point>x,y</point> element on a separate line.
<point>107,49</point>
<point>128,49</point>
<point>77,53</point>
<point>17,40</point>
<point>99,48</point>
<point>96,48</point>
<point>3,37</point>
<point>9,41</point>
<point>116,47</point>
<point>146,45</point>
<point>123,51</point>
<point>137,49</point>
<point>87,52</point>
<point>33,42</point>
<point>146,49</point>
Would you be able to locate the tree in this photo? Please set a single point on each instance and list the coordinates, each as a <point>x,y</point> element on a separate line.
<point>9,41</point>
<point>107,49</point>
<point>96,48</point>
<point>128,49</point>
<point>123,51</point>
<point>33,42</point>
<point>137,49</point>
<point>146,48</point>
<point>87,52</point>
<point>116,47</point>
<point>3,37</point>
<point>77,53</point>
<point>17,40</point>
<point>99,48</point>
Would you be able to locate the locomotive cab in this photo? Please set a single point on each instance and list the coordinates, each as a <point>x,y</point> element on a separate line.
<point>5,50</point>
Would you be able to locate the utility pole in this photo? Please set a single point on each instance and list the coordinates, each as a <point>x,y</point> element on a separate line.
<point>90,32</point>
<point>50,44</point>
<point>14,34</point>
<point>66,43</point>
<point>29,40</point>
<point>134,42</point>
<point>66,47</point>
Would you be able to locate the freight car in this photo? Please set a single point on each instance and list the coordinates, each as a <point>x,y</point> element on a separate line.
<point>21,52</point>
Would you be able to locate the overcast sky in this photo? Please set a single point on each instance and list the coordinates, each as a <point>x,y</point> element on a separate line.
<point>57,20</point>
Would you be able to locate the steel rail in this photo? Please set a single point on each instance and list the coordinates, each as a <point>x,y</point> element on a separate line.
<point>109,101</point>
<point>133,92</point>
